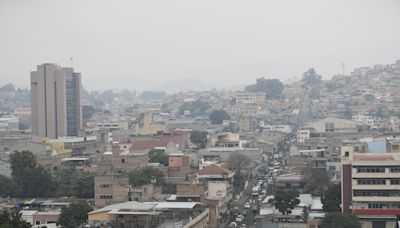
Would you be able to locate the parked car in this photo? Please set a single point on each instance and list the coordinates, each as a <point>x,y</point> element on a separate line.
<point>247,205</point>
<point>239,218</point>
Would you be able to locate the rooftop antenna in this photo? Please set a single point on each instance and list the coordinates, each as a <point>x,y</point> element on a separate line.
<point>343,65</point>
<point>72,61</point>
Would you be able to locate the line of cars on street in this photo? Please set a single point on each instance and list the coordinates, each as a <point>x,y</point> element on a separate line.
<point>239,221</point>
<point>264,182</point>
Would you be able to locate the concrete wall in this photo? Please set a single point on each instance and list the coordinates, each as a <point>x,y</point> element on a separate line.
<point>341,125</point>
<point>117,188</point>
<point>218,189</point>
<point>189,189</point>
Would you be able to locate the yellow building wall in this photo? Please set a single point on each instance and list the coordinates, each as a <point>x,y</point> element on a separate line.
<point>60,150</point>
<point>147,127</point>
<point>101,216</point>
<point>227,137</point>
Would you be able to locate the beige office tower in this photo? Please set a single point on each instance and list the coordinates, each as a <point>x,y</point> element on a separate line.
<point>56,101</point>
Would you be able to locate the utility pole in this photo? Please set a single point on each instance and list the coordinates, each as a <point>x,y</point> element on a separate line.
<point>343,66</point>
<point>251,208</point>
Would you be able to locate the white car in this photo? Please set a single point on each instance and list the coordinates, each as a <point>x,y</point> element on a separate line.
<point>239,218</point>
<point>247,205</point>
<point>233,224</point>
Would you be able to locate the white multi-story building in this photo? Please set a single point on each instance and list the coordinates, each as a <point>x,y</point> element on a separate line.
<point>9,123</point>
<point>370,121</point>
<point>303,135</point>
<point>112,125</point>
<point>250,98</point>
<point>371,188</point>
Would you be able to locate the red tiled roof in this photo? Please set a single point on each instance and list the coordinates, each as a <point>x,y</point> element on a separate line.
<point>215,169</point>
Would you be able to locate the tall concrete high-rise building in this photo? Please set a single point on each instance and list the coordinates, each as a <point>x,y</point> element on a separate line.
<point>56,101</point>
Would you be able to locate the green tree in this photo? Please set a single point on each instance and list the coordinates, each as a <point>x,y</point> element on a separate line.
<point>84,185</point>
<point>331,86</point>
<point>339,220</point>
<point>199,138</point>
<point>285,201</point>
<point>7,187</point>
<point>311,78</point>
<point>239,181</point>
<point>146,175</point>
<point>316,181</point>
<point>271,87</point>
<point>218,116</point>
<point>74,215</point>
<point>332,198</point>
<point>12,220</point>
<point>64,180</point>
<point>238,161</point>
<point>169,188</point>
<point>197,107</point>
<point>31,178</point>
<point>158,156</point>
<point>71,182</point>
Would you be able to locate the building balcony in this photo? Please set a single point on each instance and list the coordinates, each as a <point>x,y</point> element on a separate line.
<point>376,211</point>
<point>376,198</point>
<point>375,187</point>
<point>376,175</point>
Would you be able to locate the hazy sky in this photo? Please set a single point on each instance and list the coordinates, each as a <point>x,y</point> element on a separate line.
<point>144,44</point>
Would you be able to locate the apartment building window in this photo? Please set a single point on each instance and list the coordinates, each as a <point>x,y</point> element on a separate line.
<point>106,196</point>
<point>376,205</point>
<point>395,147</point>
<point>372,181</point>
<point>384,205</point>
<point>392,193</point>
<point>395,181</point>
<point>395,205</point>
<point>370,169</point>
<point>378,224</point>
<point>395,169</point>
<point>329,127</point>
<point>105,186</point>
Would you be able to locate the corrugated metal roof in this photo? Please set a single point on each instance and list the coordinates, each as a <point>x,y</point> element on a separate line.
<point>130,205</point>
<point>176,205</point>
<point>133,207</point>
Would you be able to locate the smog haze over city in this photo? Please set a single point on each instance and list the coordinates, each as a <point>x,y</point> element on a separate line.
<point>199,114</point>
<point>214,44</point>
